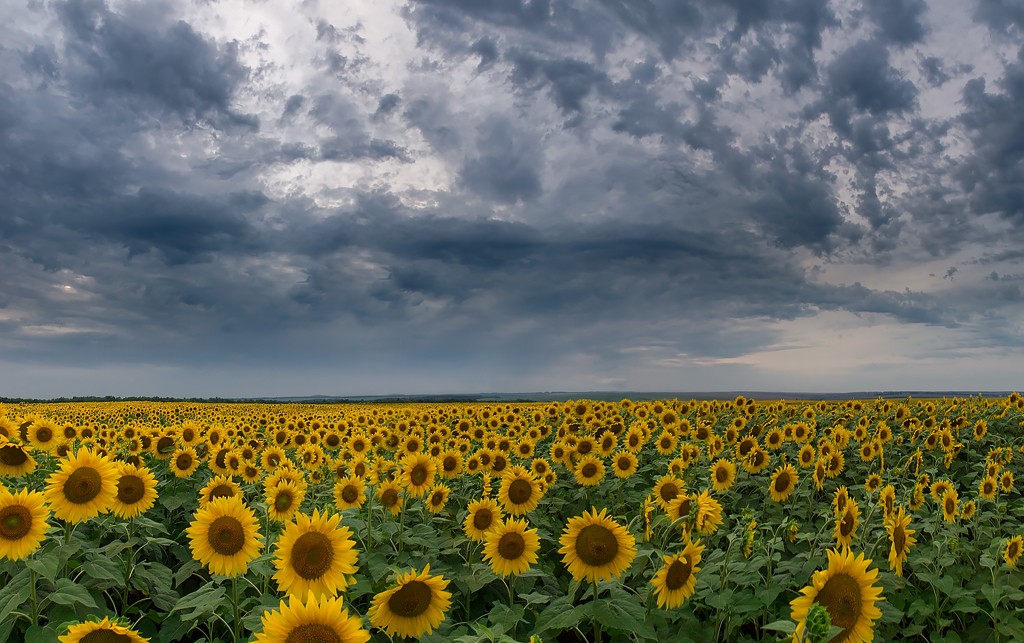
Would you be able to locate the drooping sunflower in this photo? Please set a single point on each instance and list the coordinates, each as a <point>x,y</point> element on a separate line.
<point>589,470</point>
<point>887,500</point>
<point>224,535</point>
<point>315,554</point>
<point>83,487</point>
<point>312,620</point>
<point>103,630</point>
<point>519,492</point>
<point>846,524</point>
<point>15,460</point>
<point>783,483</point>
<point>709,513</point>
<point>414,606</point>
<point>418,472</point>
<point>723,474</point>
<point>136,490</point>
<point>625,463</point>
<point>675,582</point>
<point>596,547</point>
<point>23,516</point>
<point>284,500</point>
<point>847,589</point>
<point>902,539</point>
<point>483,515</point>
<point>967,510</point>
<point>349,493</point>
<point>510,547</point>
<point>1012,550</point>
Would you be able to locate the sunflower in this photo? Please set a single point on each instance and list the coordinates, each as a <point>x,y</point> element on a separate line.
<point>45,436</point>
<point>349,493</point>
<point>390,496</point>
<point>848,592</point>
<point>314,555</point>
<point>756,461</point>
<point>589,471</point>
<point>595,547</point>
<point>666,489</point>
<point>83,488</point>
<point>968,509</point>
<point>902,539</point>
<point>103,630</point>
<point>450,463</point>
<point>136,490</point>
<point>23,525</point>
<point>438,497</point>
<point>15,460</point>
<point>184,462</point>
<point>312,621</point>
<point>483,515</point>
<point>519,492</point>
<point>950,505</point>
<point>220,487</point>
<point>988,487</point>
<point>284,500</point>
<point>510,547</point>
<point>873,482</point>
<point>625,464</point>
<point>723,474</point>
<point>847,523</point>
<point>224,535</point>
<point>709,513</point>
<point>418,472</point>
<point>783,483</point>
<point>807,456</point>
<point>1006,481</point>
<point>674,583</point>
<point>1012,550</point>
<point>413,607</point>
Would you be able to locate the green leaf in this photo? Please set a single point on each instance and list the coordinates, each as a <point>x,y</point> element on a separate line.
<point>103,569</point>
<point>786,627</point>
<point>40,634</point>
<point>68,592</point>
<point>201,603</point>
<point>560,615</point>
<point>14,595</point>
<point>46,564</point>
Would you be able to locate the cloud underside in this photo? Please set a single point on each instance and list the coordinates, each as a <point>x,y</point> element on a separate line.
<point>657,185</point>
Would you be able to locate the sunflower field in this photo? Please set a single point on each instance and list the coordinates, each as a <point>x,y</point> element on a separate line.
<point>671,520</point>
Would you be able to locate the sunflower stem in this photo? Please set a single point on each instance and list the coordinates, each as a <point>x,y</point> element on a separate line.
<point>35,602</point>
<point>401,526</point>
<point>234,608</point>
<point>369,517</point>
<point>512,599</point>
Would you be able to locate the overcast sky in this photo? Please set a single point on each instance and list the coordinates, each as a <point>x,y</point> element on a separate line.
<point>228,197</point>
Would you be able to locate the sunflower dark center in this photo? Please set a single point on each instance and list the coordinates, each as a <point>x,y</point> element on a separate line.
<point>44,434</point>
<point>678,573</point>
<point>685,507</point>
<point>130,489</point>
<point>105,636</point>
<point>411,600</point>
<point>418,475</point>
<point>222,491</point>
<point>589,470</point>
<point>15,522</point>
<point>350,494</point>
<point>847,524</point>
<point>596,545</point>
<point>226,536</point>
<point>13,456</point>
<point>313,633</point>
<point>389,498</point>
<point>722,474</point>
<point>841,597</point>
<point>483,518</point>
<point>437,498</point>
<point>165,444</point>
<point>669,491</point>
<point>312,555</point>
<point>950,505</point>
<point>899,539</point>
<point>511,546</point>
<point>450,463</point>
<point>782,482</point>
<point>183,462</point>
<point>1013,551</point>
<point>283,501</point>
<point>585,447</point>
<point>82,485</point>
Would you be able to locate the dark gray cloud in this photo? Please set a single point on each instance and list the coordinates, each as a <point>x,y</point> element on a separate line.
<point>518,194</point>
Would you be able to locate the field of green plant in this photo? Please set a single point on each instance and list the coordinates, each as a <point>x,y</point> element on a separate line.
<point>731,520</point>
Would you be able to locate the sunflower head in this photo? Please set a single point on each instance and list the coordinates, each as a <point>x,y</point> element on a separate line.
<point>224,535</point>
<point>314,555</point>
<point>101,631</point>
<point>84,486</point>
<point>511,547</point>
<point>414,606</point>
<point>313,620</point>
<point>847,589</point>
<point>23,525</point>
<point>596,547</point>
